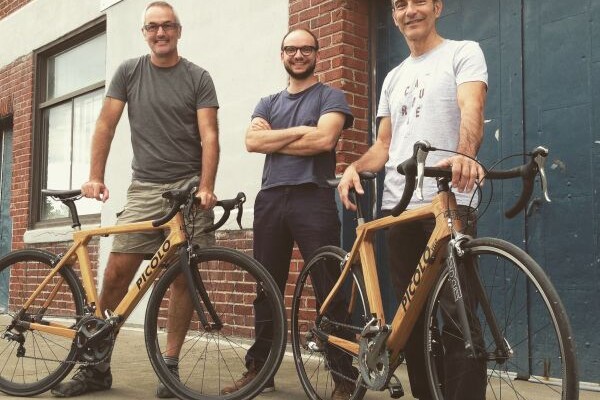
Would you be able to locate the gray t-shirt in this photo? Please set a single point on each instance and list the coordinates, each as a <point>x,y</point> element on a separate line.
<point>420,97</point>
<point>285,110</point>
<point>162,105</point>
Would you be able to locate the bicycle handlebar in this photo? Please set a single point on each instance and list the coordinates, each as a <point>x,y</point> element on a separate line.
<point>414,169</point>
<point>181,197</point>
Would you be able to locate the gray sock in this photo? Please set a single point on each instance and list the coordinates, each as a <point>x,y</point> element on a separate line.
<point>171,361</point>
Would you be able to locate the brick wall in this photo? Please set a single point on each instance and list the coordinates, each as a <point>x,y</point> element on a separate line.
<point>16,93</point>
<point>9,6</point>
<point>342,27</point>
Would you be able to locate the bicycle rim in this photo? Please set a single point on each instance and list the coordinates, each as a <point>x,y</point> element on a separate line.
<point>211,360</point>
<point>540,363</point>
<point>321,366</point>
<point>44,359</point>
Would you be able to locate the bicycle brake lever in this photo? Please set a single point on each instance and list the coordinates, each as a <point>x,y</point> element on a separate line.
<point>540,160</point>
<point>421,157</point>
<point>240,208</point>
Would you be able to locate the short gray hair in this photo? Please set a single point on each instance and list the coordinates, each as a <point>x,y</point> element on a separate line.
<point>159,4</point>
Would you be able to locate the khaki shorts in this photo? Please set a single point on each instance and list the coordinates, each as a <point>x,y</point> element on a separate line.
<point>145,202</point>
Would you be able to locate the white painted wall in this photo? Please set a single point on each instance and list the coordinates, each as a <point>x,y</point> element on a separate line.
<point>236,41</point>
<point>39,22</point>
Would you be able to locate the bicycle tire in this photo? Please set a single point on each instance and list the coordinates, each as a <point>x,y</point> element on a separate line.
<point>312,358</point>
<point>210,361</point>
<point>48,358</point>
<point>530,317</point>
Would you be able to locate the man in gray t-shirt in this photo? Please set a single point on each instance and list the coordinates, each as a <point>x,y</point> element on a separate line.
<point>437,94</point>
<point>172,108</point>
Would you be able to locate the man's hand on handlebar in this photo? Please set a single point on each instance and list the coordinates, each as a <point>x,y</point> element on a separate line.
<point>465,172</point>
<point>350,180</point>
<point>206,198</point>
<point>95,189</point>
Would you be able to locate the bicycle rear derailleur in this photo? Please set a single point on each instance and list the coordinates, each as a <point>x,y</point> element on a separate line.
<point>94,339</point>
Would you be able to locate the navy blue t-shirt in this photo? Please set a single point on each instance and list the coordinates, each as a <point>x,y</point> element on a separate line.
<point>285,110</point>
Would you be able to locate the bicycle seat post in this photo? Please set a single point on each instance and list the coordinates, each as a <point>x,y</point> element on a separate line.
<point>74,215</point>
<point>360,219</point>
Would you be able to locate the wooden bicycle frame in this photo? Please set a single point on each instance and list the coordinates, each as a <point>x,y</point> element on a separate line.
<point>442,207</point>
<point>79,251</point>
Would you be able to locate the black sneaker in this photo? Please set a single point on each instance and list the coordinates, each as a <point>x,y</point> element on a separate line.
<point>87,379</point>
<point>162,392</point>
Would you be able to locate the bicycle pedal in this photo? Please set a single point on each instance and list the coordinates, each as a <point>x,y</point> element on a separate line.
<point>396,390</point>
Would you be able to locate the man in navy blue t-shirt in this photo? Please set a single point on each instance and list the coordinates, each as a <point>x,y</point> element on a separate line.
<point>297,129</point>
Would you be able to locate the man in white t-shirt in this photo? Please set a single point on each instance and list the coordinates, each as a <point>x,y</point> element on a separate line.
<point>436,94</point>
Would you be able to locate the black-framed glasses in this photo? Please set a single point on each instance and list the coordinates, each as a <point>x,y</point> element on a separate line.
<point>167,27</point>
<point>304,50</point>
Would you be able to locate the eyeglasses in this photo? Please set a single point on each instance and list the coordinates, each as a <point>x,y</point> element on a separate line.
<point>304,50</point>
<point>402,4</point>
<point>167,27</point>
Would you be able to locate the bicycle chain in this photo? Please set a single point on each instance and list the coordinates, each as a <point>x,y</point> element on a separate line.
<point>76,362</point>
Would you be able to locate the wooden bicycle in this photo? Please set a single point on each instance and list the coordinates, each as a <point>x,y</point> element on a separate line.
<point>53,322</point>
<point>484,300</point>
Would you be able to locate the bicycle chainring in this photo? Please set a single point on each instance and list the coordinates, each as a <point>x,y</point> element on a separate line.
<point>377,378</point>
<point>100,351</point>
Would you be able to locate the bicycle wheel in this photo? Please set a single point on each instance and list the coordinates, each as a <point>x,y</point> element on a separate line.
<point>32,362</point>
<point>532,322</point>
<point>212,359</point>
<point>321,366</point>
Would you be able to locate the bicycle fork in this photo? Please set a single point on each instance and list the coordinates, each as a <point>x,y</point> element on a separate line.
<point>455,252</point>
<point>197,291</point>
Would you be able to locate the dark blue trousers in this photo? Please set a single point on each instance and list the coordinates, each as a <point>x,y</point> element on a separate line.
<point>305,214</point>
<point>465,379</point>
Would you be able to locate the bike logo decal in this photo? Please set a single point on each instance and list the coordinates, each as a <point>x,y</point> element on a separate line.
<point>154,262</point>
<point>426,260</point>
<point>453,278</point>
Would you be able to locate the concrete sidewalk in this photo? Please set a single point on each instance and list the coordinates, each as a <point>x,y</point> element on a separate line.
<point>134,378</point>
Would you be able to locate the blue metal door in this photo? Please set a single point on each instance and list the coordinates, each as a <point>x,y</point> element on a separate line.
<point>562,110</point>
<point>5,221</point>
<point>543,61</point>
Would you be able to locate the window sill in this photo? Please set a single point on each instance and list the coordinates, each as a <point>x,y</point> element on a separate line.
<point>52,235</point>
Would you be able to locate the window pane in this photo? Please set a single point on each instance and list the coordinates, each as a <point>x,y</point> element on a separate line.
<point>76,68</point>
<point>85,113</point>
<point>58,121</point>
<point>69,154</point>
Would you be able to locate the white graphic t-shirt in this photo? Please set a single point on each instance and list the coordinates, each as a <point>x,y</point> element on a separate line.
<point>420,97</point>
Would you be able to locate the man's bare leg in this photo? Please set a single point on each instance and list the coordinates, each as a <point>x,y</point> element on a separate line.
<point>119,272</point>
<point>179,316</point>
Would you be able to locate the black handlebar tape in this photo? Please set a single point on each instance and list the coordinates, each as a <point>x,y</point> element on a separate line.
<point>227,206</point>
<point>167,218</point>
<point>409,169</point>
<point>527,173</point>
